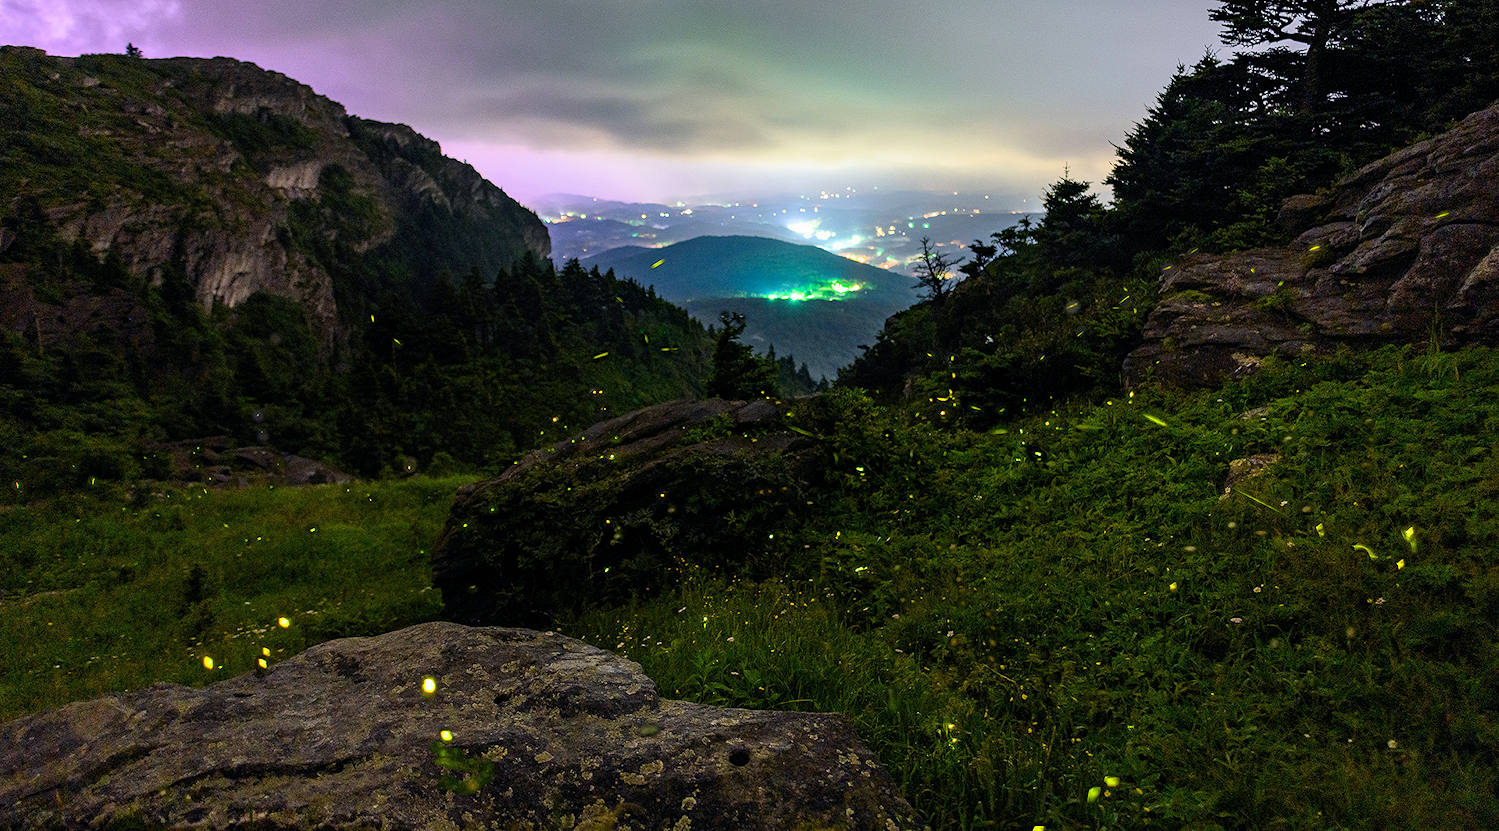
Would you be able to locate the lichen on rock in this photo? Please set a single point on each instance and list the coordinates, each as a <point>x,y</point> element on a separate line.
<point>545,733</point>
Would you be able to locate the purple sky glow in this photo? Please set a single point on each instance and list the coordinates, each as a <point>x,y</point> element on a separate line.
<point>668,99</point>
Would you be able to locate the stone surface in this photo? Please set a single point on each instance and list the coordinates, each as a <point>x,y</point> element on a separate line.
<point>1402,251</point>
<point>173,136</point>
<point>215,461</point>
<point>622,509</point>
<point>548,733</point>
<point>1242,470</point>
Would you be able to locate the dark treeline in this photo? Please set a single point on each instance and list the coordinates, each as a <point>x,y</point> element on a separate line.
<point>461,372</point>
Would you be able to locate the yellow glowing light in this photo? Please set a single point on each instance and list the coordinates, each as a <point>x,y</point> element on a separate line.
<point>283,622</point>
<point>429,685</point>
<point>1358,546</point>
<point>446,735</point>
<point>261,662</point>
<point>1321,532</point>
<point>266,651</point>
<point>1399,564</point>
<point>1093,793</point>
<point>1154,419</point>
<point>1173,587</point>
<point>1111,781</point>
<point>656,263</point>
<point>207,662</point>
<point>1410,537</point>
<point>601,355</point>
<point>1443,214</point>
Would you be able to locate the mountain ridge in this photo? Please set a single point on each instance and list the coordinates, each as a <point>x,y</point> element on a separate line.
<point>799,299</point>
<point>200,247</point>
<point>231,172</point>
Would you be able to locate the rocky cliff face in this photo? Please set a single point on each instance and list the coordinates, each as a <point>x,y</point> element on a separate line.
<point>520,729</point>
<point>1405,250</point>
<point>237,178</point>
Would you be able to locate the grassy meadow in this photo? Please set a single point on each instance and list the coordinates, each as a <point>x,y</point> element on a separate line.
<point>105,592</point>
<point>1063,621</point>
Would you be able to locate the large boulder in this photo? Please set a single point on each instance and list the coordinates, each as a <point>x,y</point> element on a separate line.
<point>546,732</point>
<point>1402,251</point>
<point>624,508</point>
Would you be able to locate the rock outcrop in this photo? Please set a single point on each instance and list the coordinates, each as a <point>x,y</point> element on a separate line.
<point>622,509</point>
<point>1405,250</point>
<point>238,179</point>
<point>215,461</point>
<point>546,732</point>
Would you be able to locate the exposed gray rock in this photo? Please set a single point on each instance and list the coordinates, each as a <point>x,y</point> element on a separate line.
<point>223,207</point>
<point>547,733</point>
<point>1402,251</point>
<point>623,509</point>
<point>214,460</point>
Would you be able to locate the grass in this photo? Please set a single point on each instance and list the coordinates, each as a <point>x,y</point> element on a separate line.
<point>1072,603</point>
<point>1061,622</point>
<point>99,594</point>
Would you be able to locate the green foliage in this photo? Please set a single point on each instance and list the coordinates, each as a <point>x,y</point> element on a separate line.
<point>737,373</point>
<point>113,589</point>
<point>477,367</point>
<point>265,136</point>
<point>1228,140</point>
<point>1049,315</point>
<point>1278,301</point>
<point>558,538</point>
<point>465,774</point>
<point>1012,618</point>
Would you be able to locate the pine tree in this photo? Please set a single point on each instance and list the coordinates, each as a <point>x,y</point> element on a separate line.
<point>737,374</point>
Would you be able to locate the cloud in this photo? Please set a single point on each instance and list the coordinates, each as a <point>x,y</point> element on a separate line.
<point>71,27</point>
<point>707,83</point>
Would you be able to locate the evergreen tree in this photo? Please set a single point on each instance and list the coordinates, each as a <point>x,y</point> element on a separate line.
<point>737,374</point>
<point>1071,233</point>
<point>1316,25</point>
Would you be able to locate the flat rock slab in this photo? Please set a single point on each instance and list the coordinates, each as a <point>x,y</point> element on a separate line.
<point>547,732</point>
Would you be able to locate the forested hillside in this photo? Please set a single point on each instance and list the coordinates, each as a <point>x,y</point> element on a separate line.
<point>191,248</point>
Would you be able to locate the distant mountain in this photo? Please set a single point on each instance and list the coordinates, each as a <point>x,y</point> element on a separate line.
<point>800,299</point>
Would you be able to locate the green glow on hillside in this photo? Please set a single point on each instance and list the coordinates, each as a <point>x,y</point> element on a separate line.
<point>830,290</point>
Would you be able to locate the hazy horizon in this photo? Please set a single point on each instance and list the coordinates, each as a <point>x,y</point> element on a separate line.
<point>669,100</point>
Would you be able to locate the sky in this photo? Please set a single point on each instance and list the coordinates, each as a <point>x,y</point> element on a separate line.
<point>673,99</point>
